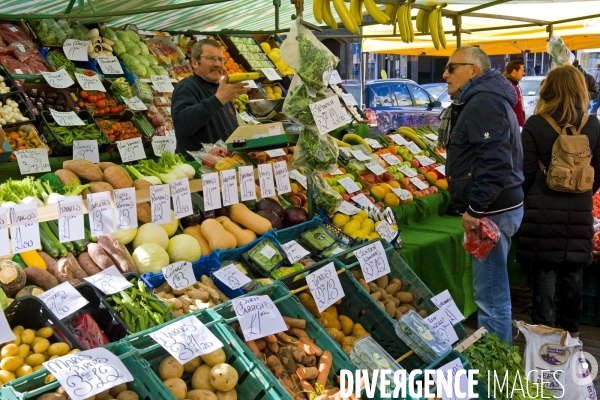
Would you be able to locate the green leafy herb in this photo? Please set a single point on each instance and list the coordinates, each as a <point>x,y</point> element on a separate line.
<point>314,61</point>
<point>297,105</point>
<point>315,152</point>
<point>59,60</point>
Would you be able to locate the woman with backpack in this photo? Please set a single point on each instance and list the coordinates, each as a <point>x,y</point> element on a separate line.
<point>562,172</point>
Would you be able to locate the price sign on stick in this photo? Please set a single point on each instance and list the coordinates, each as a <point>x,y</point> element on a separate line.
<point>211,192</point>
<point>126,206</point>
<point>33,161</point>
<point>444,301</point>
<point>275,152</point>
<point>335,77</point>
<point>349,99</point>
<point>76,50</point>
<point>187,339</point>
<point>87,150</point>
<point>88,373</point>
<point>182,198</point>
<point>325,286</point>
<point>6,334</point>
<point>63,300</point>
<point>271,74</point>
<point>399,140</point>
<point>89,82</point>
<point>359,155</point>
<point>247,186</point>
<point>131,149</point>
<point>441,169</point>
<point>407,171</point>
<point>362,200</point>
<point>390,159</point>
<point>110,65</point>
<point>109,281</point>
<point>68,118</point>
<point>70,219</point>
<point>24,227</point>
<point>59,79</point>
<point>4,243</point>
<point>412,146</point>
<point>403,194</point>
<point>160,204</point>
<point>258,316</point>
<point>265,177</point>
<point>385,231</point>
<point>100,214</point>
<point>298,177</point>
<point>162,83</point>
<point>375,168</point>
<point>348,208</point>
<point>440,323</point>
<point>424,161</point>
<point>349,185</point>
<point>179,275</point>
<point>373,261</point>
<point>328,114</point>
<point>232,277</point>
<point>418,183</point>
<point>229,187</point>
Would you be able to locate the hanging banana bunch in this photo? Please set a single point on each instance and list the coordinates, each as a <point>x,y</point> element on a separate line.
<point>404,20</point>
<point>356,10</point>
<point>376,13</point>
<point>391,11</point>
<point>349,22</point>
<point>430,22</point>
<point>322,13</point>
<point>423,17</point>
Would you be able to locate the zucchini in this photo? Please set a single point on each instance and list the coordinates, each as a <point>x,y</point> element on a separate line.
<point>62,250</point>
<point>17,258</point>
<point>48,245</point>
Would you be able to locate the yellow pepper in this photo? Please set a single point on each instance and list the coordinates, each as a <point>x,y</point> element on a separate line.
<point>32,259</point>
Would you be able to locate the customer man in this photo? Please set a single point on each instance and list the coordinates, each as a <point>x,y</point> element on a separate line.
<point>595,104</point>
<point>538,69</point>
<point>201,107</point>
<point>590,82</point>
<point>485,172</point>
<point>514,73</point>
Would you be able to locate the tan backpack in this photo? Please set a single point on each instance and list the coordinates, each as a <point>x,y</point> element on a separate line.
<point>569,169</point>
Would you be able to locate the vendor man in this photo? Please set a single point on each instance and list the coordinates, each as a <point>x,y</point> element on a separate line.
<point>201,105</point>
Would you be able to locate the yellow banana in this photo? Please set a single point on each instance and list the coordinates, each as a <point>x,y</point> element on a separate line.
<point>340,143</point>
<point>433,29</point>
<point>242,76</point>
<point>426,16</point>
<point>360,11</point>
<point>318,10</point>
<point>391,11</point>
<point>355,11</point>
<point>441,33</point>
<point>353,138</point>
<point>411,135</point>
<point>376,13</point>
<point>411,29</point>
<point>419,21</point>
<point>349,22</point>
<point>328,16</point>
<point>400,18</point>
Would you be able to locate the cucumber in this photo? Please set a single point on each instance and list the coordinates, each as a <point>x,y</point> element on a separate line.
<point>48,245</point>
<point>80,245</point>
<point>88,236</point>
<point>17,258</point>
<point>53,225</point>
<point>62,250</point>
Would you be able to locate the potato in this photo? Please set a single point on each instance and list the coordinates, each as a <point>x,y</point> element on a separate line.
<point>376,295</point>
<point>27,336</point>
<point>201,394</point>
<point>103,395</point>
<point>223,377</point>
<point>84,169</point>
<point>337,335</point>
<point>128,395</point>
<point>34,359</point>
<point>358,331</point>
<point>9,350</point>
<point>117,177</point>
<point>392,288</point>
<point>201,378</point>
<point>23,350</point>
<point>347,325</point>
<point>140,184</point>
<point>6,376</point>
<point>403,308</point>
<point>41,346</point>
<point>66,177</point>
<point>169,368</point>
<point>52,396</point>
<point>390,308</point>
<point>98,187</point>
<point>397,282</point>
<point>177,387</point>
<point>404,297</point>
<point>105,164</point>
<point>144,212</point>
<point>118,389</point>
<point>58,349</point>
<point>396,301</point>
<point>216,357</point>
<point>364,285</point>
<point>231,395</point>
<point>373,287</point>
<point>191,365</point>
<point>423,313</point>
<point>23,370</point>
<point>11,363</point>
<point>44,332</point>
<point>382,281</point>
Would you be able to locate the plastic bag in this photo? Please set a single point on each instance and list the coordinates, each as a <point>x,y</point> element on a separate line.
<point>305,54</point>
<point>142,90</point>
<point>480,241</point>
<point>315,152</point>
<point>324,196</point>
<point>154,116</point>
<point>36,65</point>
<point>12,33</point>
<point>15,66</point>
<point>296,103</point>
<point>87,331</point>
<point>79,32</point>
<point>218,149</point>
<point>559,52</point>
<point>24,50</point>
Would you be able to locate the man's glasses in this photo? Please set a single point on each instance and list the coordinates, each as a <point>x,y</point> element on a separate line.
<point>214,59</point>
<point>452,66</point>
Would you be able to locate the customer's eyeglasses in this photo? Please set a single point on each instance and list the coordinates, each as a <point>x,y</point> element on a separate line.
<point>214,59</point>
<point>452,66</point>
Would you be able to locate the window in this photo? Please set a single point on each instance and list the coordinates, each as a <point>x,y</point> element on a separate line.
<point>445,97</point>
<point>402,95</point>
<point>382,97</point>
<point>421,96</point>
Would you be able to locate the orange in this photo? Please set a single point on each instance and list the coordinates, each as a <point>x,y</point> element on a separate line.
<point>387,188</point>
<point>432,176</point>
<point>443,183</point>
<point>378,192</point>
<point>391,200</point>
<point>393,150</point>
<point>394,184</point>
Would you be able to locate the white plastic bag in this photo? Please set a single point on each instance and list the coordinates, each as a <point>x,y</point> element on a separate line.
<point>559,52</point>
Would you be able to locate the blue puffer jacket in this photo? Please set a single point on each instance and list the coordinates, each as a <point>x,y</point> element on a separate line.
<point>485,154</point>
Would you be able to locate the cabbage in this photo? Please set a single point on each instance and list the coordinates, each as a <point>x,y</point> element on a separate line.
<point>150,257</point>
<point>171,227</point>
<point>151,233</point>
<point>133,36</point>
<point>109,34</point>
<point>119,48</point>
<point>125,236</point>
<point>158,70</point>
<point>183,248</point>
<point>132,48</point>
<point>123,36</point>
<point>138,69</point>
<point>143,48</point>
<point>151,59</point>
<point>129,59</point>
<point>143,61</point>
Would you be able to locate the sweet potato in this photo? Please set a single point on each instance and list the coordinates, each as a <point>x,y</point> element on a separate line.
<point>84,169</point>
<point>98,187</point>
<point>118,253</point>
<point>66,177</point>
<point>41,278</point>
<point>118,177</point>
<point>78,273</point>
<point>87,264</point>
<point>50,263</point>
<point>144,212</point>
<point>99,256</point>
<point>140,184</point>
<point>105,164</point>
<point>64,272</point>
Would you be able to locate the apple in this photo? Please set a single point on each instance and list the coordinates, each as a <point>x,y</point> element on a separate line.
<point>302,198</point>
<point>405,182</point>
<point>421,177</point>
<point>386,177</point>
<point>415,163</point>
<point>398,176</point>
<point>295,199</point>
<point>345,196</point>
<point>368,178</point>
<point>417,194</point>
<point>422,170</point>
<point>390,169</point>
<point>434,189</point>
<point>371,199</point>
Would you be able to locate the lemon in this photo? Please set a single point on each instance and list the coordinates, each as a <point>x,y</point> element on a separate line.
<point>268,89</point>
<point>359,234</point>
<point>277,96</point>
<point>350,227</point>
<point>367,226</point>
<point>374,235</point>
<point>394,228</point>
<point>363,214</point>
<point>339,220</point>
<point>277,89</point>
<point>378,223</point>
<point>266,48</point>
<point>357,218</point>
<point>275,58</point>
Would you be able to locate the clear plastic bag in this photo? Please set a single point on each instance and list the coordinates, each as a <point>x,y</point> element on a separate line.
<point>296,103</point>
<point>324,196</point>
<point>142,90</point>
<point>480,241</point>
<point>24,50</point>
<point>315,152</point>
<point>559,52</point>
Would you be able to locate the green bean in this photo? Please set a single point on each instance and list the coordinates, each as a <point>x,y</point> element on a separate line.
<point>126,297</point>
<point>134,293</point>
<point>141,286</point>
<point>158,318</point>
<point>116,299</point>
<point>143,321</point>
<point>131,308</point>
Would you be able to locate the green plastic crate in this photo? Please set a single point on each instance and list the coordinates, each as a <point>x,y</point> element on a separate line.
<point>255,382</point>
<point>32,386</point>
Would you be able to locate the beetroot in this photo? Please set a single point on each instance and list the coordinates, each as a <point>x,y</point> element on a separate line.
<point>269,204</point>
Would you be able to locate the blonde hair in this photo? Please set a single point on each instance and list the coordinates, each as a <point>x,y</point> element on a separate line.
<point>564,90</point>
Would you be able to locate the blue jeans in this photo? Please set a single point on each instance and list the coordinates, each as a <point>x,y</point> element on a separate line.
<point>490,278</point>
<point>594,104</point>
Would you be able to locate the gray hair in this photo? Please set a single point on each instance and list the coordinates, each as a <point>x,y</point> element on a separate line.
<point>476,56</point>
<point>197,48</point>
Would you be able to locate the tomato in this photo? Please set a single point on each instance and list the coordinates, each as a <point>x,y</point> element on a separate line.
<point>111,138</point>
<point>114,110</point>
<point>126,137</point>
<point>102,95</point>
<point>101,104</point>
<point>120,107</point>
<point>96,112</point>
<point>83,94</point>
<point>81,104</point>
<point>101,112</point>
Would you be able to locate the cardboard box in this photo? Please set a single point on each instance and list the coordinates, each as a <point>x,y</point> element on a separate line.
<point>5,149</point>
<point>25,127</point>
<point>47,88</point>
<point>246,132</point>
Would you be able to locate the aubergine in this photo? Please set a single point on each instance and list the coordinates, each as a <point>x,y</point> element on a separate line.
<point>12,277</point>
<point>194,219</point>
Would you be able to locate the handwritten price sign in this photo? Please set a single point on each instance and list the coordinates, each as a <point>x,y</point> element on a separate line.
<point>110,65</point>
<point>373,261</point>
<point>232,277</point>
<point>160,204</point>
<point>109,281</point>
<point>59,79</point>
<point>135,104</point>
<point>247,185</point>
<point>100,213</point>
<point>126,206</point>
<point>70,219</point>
<point>76,50</point>
<point>258,316</point>
<point>271,74</point>
<point>87,150</point>
<point>211,192</point>
<point>161,144</point>
<point>63,300</point>
<point>182,198</point>
<point>440,323</point>
<point>33,161</point>
<point>265,177</point>
<point>131,149</point>
<point>282,177</point>
<point>179,275</point>
<point>24,228</point>
<point>445,302</point>
<point>328,114</point>
<point>325,286</point>
<point>90,82</point>
<point>162,83</point>
<point>229,187</point>
<point>4,243</point>
<point>66,118</point>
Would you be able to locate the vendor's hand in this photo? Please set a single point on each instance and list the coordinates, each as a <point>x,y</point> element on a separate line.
<point>468,222</point>
<point>227,92</point>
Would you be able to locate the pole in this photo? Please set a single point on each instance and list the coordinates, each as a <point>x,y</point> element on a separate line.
<point>277,4</point>
<point>457,25</point>
<point>363,78</point>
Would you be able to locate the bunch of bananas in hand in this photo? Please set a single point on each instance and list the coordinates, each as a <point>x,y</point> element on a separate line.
<point>240,103</point>
<point>352,18</point>
<point>431,22</point>
<point>401,15</point>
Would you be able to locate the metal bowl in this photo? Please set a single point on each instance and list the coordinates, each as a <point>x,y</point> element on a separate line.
<point>262,108</point>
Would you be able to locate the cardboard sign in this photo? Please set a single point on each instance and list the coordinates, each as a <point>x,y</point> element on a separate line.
<point>440,323</point>
<point>4,242</point>
<point>87,150</point>
<point>258,316</point>
<point>76,50</point>
<point>59,79</point>
<point>282,177</point>
<point>362,200</point>
<point>349,100</point>
<point>110,65</point>
<point>109,281</point>
<point>136,104</point>
<point>160,144</point>
<point>385,231</point>
<point>63,300</point>
<point>335,77</point>
<point>265,177</point>
<point>349,185</point>
<point>162,83</point>
<point>325,286</point>
<point>89,82</point>
<point>211,191</point>
<point>100,214</point>
<point>24,227</point>
<point>444,301</point>
<point>229,187</point>
<point>328,114</point>
<point>67,118</point>
<point>271,74</point>
<point>347,208</point>
<point>126,206</point>
<point>247,186</point>
<point>160,204</point>
<point>232,277</point>
<point>182,198</point>
<point>33,161</point>
<point>131,149</point>
<point>6,334</point>
<point>70,219</point>
<point>298,177</point>
<point>179,275</point>
<point>373,261</point>
<point>294,251</point>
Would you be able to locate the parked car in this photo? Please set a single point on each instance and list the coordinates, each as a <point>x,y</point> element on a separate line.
<point>530,90</point>
<point>439,91</point>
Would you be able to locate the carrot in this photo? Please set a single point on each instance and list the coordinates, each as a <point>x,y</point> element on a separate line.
<point>284,336</point>
<point>275,366</point>
<point>298,354</point>
<point>306,386</point>
<point>325,363</point>
<point>314,348</point>
<point>274,347</point>
<point>253,348</point>
<point>307,373</point>
<point>271,339</point>
<point>261,344</point>
<point>304,347</point>
<point>299,333</point>
<point>295,322</point>
<point>290,391</point>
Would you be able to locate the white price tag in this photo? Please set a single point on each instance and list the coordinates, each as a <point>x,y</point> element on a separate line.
<point>182,198</point>
<point>390,159</point>
<point>451,371</point>
<point>70,219</point>
<point>179,275</point>
<point>443,155</point>
<point>229,187</point>
<point>87,150</point>
<point>444,301</point>
<point>399,140</point>
<point>66,118</point>
<point>160,144</point>
<point>294,251</point>
<point>131,149</point>
<point>24,228</point>
<point>90,82</point>
<point>249,118</point>
<point>100,214</point>
<point>412,146</point>
<point>375,144</point>
<point>375,168</point>
<point>160,204</point>
<point>258,316</point>
<point>328,114</point>
<point>170,132</point>
<point>441,169</point>
<point>439,322</point>
<point>4,242</point>
<point>424,161</point>
<point>187,339</point>
<point>362,200</point>
<point>402,194</point>
<point>325,286</point>
<point>59,79</point>
<point>274,130</point>
<point>20,71</point>
<point>271,74</point>
<point>247,186</point>
<point>6,335</point>
<point>250,84</point>
<point>33,161</point>
<point>431,136</point>
<point>88,373</point>
<point>210,191</point>
<point>373,261</point>
<point>21,48</point>
<point>126,206</point>
<point>407,171</point>
<point>385,231</point>
<point>268,251</point>
<point>347,208</point>
<point>282,177</point>
<point>162,83</point>
<point>232,277</point>
<point>335,77</point>
<point>63,300</point>
<point>349,100</point>
<point>76,50</point>
<point>276,152</point>
<point>109,281</point>
<point>348,184</point>
<point>418,183</point>
<point>135,104</point>
<point>110,65</point>
<point>298,177</point>
<point>359,155</point>
<point>265,178</point>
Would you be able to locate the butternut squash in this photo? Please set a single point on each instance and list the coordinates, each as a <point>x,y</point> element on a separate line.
<point>243,236</point>
<point>242,215</point>
<point>194,231</point>
<point>216,235</point>
<point>222,219</point>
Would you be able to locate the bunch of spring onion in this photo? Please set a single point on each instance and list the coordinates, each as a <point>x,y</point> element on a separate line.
<point>167,169</point>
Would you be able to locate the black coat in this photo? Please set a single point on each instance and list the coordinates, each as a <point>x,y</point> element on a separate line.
<point>557,227</point>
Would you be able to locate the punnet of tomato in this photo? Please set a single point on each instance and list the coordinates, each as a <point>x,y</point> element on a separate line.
<point>118,130</point>
<point>99,103</point>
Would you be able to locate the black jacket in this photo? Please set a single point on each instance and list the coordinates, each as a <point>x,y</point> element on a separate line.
<point>198,116</point>
<point>484,166</point>
<point>557,227</point>
<point>592,87</point>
